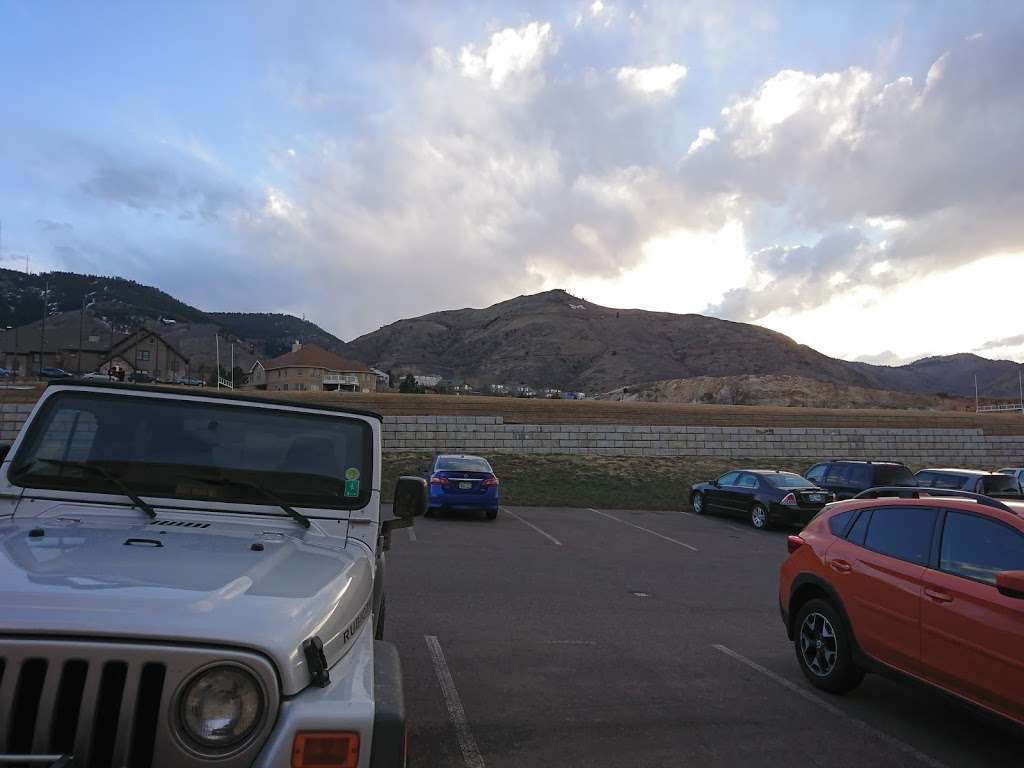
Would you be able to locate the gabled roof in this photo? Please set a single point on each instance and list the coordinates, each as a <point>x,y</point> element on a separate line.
<point>137,338</point>
<point>313,356</point>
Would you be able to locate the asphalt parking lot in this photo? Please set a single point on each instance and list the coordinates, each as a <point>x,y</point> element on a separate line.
<point>577,637</point>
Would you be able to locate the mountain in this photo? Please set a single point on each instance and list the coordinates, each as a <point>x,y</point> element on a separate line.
<point>953,374</point>
<point>128,302</point>
<point>553,339</point>
<point>276,332</point>
<point>124,305</point>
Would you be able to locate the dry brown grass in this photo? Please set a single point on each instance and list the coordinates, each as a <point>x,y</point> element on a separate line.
<point>523,411</point>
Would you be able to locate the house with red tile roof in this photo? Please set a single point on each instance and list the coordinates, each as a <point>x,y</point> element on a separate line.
<point>311,368</point>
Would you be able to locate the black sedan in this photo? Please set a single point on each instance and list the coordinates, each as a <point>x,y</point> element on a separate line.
<point>765,497</point>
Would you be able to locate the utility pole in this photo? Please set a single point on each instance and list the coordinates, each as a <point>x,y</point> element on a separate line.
<point>42,332</point>
<point>977,402</point>
<point>232,365</point>
<point>81,325</point>
<point>1020,382</point>
<point>216,342</point>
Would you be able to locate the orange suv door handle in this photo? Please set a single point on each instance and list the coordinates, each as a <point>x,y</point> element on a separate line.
<point>841,565</point>
<point>938,595</point>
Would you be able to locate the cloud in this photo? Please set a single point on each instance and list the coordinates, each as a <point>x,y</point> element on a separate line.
<point>511,53</point>
<point>705,136</point>
<point>1009,341</point>
<point>662,80</point>
<point>156,187</point>
<point>930,172</point>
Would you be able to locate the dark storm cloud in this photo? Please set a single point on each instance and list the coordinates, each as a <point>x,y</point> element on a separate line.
<point>1009,341</point>
<point>161,188</point>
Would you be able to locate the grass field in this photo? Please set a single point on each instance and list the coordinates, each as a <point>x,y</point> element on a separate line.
<point>524,411</point>
<point>617,482</point>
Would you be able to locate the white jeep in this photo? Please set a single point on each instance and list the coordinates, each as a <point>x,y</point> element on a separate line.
<point>196,580</point>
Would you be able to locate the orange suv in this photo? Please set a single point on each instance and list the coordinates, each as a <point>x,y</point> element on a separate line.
<point>925,583</point>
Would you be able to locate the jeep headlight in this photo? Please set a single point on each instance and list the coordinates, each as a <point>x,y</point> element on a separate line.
<point>221,707</point>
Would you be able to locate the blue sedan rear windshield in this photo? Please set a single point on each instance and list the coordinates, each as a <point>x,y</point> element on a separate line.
<point>788,480</point>
<point>462,464</point>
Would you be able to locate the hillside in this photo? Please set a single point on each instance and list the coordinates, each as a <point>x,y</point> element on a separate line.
<point>953,374</point>
<point>276,331</point>
<point>782,391</point>
<point>553,339</point>
<point>125,305</point>
<point>125,301</point>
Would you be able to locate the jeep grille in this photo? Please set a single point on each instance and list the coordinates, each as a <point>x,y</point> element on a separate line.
<point>105,704</point>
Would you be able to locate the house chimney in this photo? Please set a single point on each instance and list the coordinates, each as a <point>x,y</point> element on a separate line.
<point>296,345</point>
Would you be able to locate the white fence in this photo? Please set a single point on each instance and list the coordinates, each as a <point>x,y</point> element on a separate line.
<point>1005,408</point>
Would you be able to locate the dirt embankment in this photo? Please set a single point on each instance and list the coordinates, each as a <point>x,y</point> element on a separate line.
<point>787,391</point>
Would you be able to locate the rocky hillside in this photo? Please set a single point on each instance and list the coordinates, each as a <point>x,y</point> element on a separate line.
<point>782,390</point>
<point>553,339</point>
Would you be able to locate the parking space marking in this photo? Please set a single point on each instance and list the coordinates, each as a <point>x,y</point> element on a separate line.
<point>470,752</point>
<point>545,534</point>
<point>819,702</point>
<point>570,642</point>
<point>645,530</point>
<point>412,533</point>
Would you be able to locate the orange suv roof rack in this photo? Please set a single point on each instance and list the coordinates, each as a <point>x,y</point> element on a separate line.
<point>916,493</point>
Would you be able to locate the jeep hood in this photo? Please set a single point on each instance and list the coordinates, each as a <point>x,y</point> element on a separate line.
<point>189,582</point>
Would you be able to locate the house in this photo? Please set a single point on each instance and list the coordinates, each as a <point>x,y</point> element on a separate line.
<point>383,380</point>
<point>149,352</point>
<point>74,341</point>
<point>429,382</point>
<point>257,378</point>
<point>311,368</point>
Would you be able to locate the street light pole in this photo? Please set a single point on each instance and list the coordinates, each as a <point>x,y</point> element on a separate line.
<point>42,332</point>
<point>81,324</point>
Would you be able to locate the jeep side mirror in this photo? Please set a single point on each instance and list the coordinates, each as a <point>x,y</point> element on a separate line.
<point>715,483</point>
<point>1011,584</point>
<point>410,497</point>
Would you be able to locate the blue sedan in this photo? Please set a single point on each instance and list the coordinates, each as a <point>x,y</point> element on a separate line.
<point>463,482</point>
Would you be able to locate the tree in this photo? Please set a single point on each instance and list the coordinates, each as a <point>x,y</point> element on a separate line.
<point>409,385</point>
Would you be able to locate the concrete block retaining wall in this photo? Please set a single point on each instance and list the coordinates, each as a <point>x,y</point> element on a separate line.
<point>489,434</point>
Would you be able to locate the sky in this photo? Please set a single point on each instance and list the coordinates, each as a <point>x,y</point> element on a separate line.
<point>850,174</point>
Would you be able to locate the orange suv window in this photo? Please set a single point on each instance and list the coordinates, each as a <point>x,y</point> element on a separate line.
<point>978,548</point>
<point>902,532</point>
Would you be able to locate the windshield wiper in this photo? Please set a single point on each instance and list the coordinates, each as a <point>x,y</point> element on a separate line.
<point>293,513</point>
<point>96,469</point>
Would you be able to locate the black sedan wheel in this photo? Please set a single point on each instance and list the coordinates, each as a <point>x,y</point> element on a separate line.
<point>697,502</point>
<point>759,517</point>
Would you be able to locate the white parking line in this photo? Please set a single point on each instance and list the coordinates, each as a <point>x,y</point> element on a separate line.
<point>819,702</point>
<point>645,530</point>
<point>470,752</point>
<point>545,534</point>
<point>570,642</point>
<point>412,533</point>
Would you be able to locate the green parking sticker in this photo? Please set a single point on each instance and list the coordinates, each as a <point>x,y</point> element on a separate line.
<point>351,488</point>
<point>351,473</point>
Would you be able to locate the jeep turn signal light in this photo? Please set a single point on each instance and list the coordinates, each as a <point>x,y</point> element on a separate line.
<point>794,543</point>
<point>325,749</point>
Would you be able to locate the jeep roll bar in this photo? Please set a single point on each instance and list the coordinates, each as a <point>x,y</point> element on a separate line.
<point>903,492</point>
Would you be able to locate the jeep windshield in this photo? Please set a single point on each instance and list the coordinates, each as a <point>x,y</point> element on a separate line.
<point>187,449</point>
